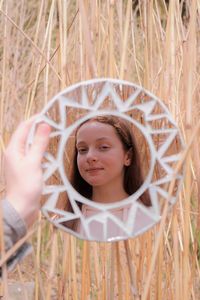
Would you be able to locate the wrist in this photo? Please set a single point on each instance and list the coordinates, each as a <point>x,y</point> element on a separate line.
<point>13,220</point>
<point>27,212</point>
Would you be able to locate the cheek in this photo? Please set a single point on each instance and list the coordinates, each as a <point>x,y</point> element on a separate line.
<point>80,162</point>
<point>115,159</point>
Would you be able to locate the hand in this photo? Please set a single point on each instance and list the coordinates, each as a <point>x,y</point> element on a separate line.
<point>23,171</point>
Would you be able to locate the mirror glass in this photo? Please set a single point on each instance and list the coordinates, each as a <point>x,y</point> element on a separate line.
<point>110,161</point>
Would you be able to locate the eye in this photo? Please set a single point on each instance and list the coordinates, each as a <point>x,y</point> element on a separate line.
<point>104,147</point>
<point>82,150</point>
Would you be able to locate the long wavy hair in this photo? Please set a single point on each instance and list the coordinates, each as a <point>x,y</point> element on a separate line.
<point>133,177</point>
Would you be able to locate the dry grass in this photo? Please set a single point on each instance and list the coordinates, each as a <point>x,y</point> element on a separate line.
<point>48,45</point>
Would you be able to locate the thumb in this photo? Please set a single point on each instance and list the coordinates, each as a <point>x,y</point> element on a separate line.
<point>41,141</point>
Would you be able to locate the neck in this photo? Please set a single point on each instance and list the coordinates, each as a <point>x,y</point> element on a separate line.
<point>109,194</point>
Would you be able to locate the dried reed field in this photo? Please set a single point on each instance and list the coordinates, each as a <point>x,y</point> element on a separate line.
<point>46,46</point>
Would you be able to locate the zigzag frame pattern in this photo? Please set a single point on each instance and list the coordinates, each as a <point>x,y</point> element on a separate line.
<point>103,89</point>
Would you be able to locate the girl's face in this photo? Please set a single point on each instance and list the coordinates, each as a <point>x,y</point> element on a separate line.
<point>101,157</point>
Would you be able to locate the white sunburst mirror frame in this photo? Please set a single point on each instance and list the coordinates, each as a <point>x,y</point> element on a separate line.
<point>103,89</point>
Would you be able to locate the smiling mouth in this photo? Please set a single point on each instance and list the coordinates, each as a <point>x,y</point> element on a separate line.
<point>94,169</point>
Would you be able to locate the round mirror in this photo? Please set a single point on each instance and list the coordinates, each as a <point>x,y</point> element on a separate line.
<point>110,161</point>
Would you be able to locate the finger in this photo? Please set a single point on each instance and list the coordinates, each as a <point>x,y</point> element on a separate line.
<point>18,140</point>
<point>40,142</point>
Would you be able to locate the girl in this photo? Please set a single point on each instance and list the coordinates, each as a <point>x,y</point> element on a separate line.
<point>107,138</point>
<point>106,168</point>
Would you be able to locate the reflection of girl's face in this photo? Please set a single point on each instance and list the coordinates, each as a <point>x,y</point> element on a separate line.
<point>101,157</point>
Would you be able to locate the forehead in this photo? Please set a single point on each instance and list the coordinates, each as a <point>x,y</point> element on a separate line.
<point>95,130</point>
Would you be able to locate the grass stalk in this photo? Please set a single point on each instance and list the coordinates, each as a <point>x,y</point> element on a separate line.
<point>52,266</point>
<point>125,39</point>
<point>37,261</point>
<point>48,31</point>
<point>88,42</point>
<point>111,56</point>
<point>3,94</point>
<point>112,274</point>
<point>25,294</point>
<point>85,271</point>
<point>176,258</point>
<point>118,267</point>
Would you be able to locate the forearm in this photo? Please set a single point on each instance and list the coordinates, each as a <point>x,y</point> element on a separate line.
<point>14,229</point>
<point>23,177</point>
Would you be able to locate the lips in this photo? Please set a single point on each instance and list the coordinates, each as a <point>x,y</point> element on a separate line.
<point>90,170</point>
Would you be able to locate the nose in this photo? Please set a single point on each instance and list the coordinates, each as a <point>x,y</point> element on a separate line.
<point>91,156</point>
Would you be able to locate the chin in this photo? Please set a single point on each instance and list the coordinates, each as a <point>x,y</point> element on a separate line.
<point>95,183</point>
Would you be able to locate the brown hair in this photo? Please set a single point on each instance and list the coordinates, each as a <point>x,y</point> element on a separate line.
<point>133,178</point>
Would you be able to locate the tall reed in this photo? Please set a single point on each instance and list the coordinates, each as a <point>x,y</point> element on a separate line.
<point>48,45</point>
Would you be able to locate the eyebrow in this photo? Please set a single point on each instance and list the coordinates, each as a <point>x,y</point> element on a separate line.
<point>97,140</point>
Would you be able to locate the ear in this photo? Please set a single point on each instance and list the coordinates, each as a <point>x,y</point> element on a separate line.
<point>128,158</point>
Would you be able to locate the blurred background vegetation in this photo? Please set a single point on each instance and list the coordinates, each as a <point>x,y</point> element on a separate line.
<point>46,46</point>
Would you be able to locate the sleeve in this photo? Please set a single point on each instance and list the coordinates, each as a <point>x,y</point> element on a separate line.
<point>14,229</point>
